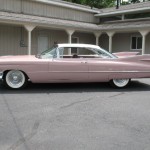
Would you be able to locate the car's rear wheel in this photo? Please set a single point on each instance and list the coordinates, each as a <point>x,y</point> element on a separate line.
<point>15,79</point>
<point>120,83</point>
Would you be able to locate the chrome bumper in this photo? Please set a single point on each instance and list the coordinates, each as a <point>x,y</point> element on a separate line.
<point>1,76</point>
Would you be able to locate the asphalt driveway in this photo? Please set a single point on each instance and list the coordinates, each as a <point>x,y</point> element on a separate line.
<point>75,117</point>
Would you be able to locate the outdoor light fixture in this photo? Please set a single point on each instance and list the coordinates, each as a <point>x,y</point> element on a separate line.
<point>22,42</point>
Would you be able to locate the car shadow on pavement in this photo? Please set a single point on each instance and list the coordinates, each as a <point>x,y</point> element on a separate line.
<point>76,88</point>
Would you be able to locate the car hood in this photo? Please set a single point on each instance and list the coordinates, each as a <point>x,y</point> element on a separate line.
<point>18,58</point>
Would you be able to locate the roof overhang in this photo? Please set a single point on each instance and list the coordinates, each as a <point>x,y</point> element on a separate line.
<point>22,19</point>
<point>126,25</point>
<point>120,12</point>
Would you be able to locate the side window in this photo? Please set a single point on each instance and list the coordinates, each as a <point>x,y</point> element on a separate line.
<point>136,43</point>
<point>83,52</point>
<point>64,52</point>
<point>87,53</point>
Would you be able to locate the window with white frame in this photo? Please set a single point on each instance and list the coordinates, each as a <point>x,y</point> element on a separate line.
<point>136,42</point>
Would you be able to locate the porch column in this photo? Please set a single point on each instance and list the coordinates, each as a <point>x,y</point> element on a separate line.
<point>143,33</point>
<point>97,35</point>
<point>110,34</point>
<point>123,17</point>
<point>69,32</point>
<point>29,28</point>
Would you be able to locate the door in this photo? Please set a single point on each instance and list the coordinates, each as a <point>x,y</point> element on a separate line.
<point>42,43</point>
<point>68,70</point>
<point>65,68</point>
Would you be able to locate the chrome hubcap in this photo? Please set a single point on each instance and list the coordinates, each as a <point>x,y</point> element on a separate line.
<point>121,82</point>
<point>15,79</point>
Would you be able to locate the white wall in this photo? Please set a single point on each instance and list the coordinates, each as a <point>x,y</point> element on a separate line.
<point>86,38</point>
<point>59,36</point>
<point>148,44</point>
<point>10,37</point>
<point>122,42</point>
<point>104,41</point>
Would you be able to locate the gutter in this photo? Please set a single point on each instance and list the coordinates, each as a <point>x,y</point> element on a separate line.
<point>68,5</point>
<point>120,12</point>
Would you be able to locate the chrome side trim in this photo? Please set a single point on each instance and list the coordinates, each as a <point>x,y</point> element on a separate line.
<point>100,72</point>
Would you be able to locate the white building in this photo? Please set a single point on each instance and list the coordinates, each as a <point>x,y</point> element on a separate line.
<point>31,26</point>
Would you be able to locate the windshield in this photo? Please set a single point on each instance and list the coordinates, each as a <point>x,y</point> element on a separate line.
<point>49,53</point>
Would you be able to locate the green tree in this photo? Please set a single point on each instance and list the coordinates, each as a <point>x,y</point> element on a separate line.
<point>95,3</point>
<point>76,1</point>
<point>100,3</point>
<point>135,1</point>
<point>103,3</point>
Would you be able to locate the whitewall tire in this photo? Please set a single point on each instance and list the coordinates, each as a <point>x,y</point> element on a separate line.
<point>120,83</point>
<point>15,79</point>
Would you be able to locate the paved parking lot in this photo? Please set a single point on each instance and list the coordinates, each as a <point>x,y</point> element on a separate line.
<point>76,117</point>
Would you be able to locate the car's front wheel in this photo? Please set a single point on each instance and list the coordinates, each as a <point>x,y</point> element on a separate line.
<point>15,79</point>
<point>120,83</point>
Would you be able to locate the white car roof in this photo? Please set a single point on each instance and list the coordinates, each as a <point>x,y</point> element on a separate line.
<point>79,45</point>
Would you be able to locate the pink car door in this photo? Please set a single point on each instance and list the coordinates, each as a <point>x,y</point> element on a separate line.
<point>68,70</point>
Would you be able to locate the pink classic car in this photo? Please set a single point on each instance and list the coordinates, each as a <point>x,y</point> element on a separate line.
<point>70,63</point>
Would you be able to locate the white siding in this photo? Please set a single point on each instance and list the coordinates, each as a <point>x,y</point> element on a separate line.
<point>10,5</point>
<point>10,37</point>
<point>104,41</point>
<point>57,12</point>
<point>122,42</point>
<point>41,9</point>
<point>148,44</point>
<point>10,41</point>
<point>85,38</point>
<point>53,36</point>
<point>59,37</point>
